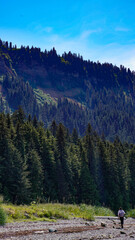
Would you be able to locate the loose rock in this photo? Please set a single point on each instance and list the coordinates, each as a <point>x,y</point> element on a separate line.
<point>74,229</point>
<point>103,224</point>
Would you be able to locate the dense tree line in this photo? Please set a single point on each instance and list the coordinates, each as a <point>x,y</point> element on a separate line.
<point>38,164</point>
<point>99,74</point>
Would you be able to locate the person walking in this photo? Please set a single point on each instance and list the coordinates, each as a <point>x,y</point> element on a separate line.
<point>121,214</point>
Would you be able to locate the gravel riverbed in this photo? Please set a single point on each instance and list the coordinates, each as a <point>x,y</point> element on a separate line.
<point>74,229</point>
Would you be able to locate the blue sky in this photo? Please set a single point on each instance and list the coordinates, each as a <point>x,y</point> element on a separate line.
<point>99,30</point>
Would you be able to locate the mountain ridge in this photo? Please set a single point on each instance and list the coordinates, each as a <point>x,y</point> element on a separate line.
<point>103,94</point>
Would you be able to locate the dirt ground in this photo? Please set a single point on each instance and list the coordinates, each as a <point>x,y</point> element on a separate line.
<point>75,229</point>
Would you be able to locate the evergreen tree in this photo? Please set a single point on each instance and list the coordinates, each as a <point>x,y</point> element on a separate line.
<point>62,166</point>
<point>35,175</point>
<point>49,171</point>
<point>132,172</point>
<point>74,136</point>
<point>75,172</point>
<point>88,191</point>
<point>53,128</point>
<point>13,172</point>
<point>19,115</point>
<point>89,148</point>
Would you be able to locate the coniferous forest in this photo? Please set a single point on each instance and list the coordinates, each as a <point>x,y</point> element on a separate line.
<point>72,140</point>
<point>52,164</point>
<point>68,89</point>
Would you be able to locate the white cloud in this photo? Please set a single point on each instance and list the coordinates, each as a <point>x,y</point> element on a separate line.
<point>85,34</point>
<point>39,28</point>
<point>48,29</point>
<point>121,29</point>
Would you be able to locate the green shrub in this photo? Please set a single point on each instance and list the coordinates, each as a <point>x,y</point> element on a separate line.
<point>2,216</point>
<point>131,213</point>
<point>102,211</point>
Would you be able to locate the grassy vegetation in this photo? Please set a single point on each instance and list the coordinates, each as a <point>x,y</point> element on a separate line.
<point>52,212</point>
<point>131,213</point>
<point>3,216</point>
<point>43,97</point>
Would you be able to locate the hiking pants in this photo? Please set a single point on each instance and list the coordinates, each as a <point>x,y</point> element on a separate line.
<point>122,221</point>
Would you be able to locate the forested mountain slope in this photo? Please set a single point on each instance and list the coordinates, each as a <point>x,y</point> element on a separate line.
<point>68,89</point>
